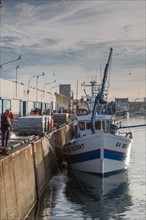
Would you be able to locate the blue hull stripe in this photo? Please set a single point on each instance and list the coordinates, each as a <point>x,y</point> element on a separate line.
<point>114,155</point>
<point>91,155</point>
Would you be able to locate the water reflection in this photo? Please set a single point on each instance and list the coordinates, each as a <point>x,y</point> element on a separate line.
<point>53,199</point>
<point>85,196</point>
<point>103,198</point>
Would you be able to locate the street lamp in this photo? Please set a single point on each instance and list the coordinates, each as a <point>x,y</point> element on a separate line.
<point>51,95</point>
<point>48,84</point>
<point>53,88</point>
<point>17,67</point>
<point>37,78</point>
<point>51,91</point>
<point>29,83</point>
<point>3,64</point>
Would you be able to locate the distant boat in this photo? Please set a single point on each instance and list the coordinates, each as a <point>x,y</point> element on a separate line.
<point>97,146</point>
<point>122,106</point>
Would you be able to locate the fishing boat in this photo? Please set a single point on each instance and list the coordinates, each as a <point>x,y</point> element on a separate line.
<point>97,146</point>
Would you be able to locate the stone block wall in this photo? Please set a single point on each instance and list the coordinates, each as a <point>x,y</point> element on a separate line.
<point>25,173</point>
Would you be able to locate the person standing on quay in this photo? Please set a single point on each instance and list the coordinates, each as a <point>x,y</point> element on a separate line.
<point>5,127</point>
<point>11,116</point>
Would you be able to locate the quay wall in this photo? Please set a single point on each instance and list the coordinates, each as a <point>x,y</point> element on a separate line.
<point>25,173</point>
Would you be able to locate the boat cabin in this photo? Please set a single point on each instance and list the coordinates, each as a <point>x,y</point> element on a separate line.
<point>102,122</point>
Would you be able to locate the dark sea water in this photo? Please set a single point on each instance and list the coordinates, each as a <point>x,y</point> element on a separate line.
<point>86,196</point>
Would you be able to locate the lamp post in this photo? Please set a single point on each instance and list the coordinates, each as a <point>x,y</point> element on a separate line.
<point>53,88</point>
<point>29,83</point>
<point>17,67</point>
<point>29,86</point>
<point>3,64</point>
<point>37,79</point>
<point>51,100</point>
<point>47,84</point>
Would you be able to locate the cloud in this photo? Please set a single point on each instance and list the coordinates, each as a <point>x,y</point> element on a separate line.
<point>74,37</point>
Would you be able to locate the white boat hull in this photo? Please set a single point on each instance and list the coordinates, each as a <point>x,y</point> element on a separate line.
<point>100,153</point>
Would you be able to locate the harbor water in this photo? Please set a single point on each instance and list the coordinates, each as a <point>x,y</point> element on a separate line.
<point>85,196</point>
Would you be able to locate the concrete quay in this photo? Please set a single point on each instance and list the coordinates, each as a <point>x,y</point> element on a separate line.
<point>26,171</point>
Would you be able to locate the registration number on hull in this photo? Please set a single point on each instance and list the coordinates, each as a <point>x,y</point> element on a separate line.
<point>118,144</point>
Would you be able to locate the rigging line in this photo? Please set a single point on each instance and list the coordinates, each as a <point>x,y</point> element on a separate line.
<point>70,162</point>
<point>52,152</point>
<point>57,163</point>
<point>79,182</point>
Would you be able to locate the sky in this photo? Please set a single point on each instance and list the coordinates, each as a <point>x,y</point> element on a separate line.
<point>70,41</point>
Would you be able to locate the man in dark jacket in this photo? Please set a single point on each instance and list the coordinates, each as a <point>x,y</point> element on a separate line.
<point>5,127</point>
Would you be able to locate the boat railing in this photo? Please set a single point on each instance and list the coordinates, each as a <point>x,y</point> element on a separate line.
<point>127,134</point>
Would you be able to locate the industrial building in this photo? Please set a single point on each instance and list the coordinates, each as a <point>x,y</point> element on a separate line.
<point>22,99</point>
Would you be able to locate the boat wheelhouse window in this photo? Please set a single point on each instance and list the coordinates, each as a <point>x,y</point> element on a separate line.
<point>82,125</point>
<point>88,124</point>
<point>105,125</point>
<point>97,125</point>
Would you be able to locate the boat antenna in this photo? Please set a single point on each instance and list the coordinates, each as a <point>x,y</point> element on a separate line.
<point>77,91</point>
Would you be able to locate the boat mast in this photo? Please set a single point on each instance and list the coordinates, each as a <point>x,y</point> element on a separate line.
<point>99,97</point>
<point>92,84</point>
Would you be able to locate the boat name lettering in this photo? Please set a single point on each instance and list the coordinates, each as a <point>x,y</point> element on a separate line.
<point>77,147</point>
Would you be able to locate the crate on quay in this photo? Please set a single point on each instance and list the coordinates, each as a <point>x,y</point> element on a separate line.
<point>34,125</point>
